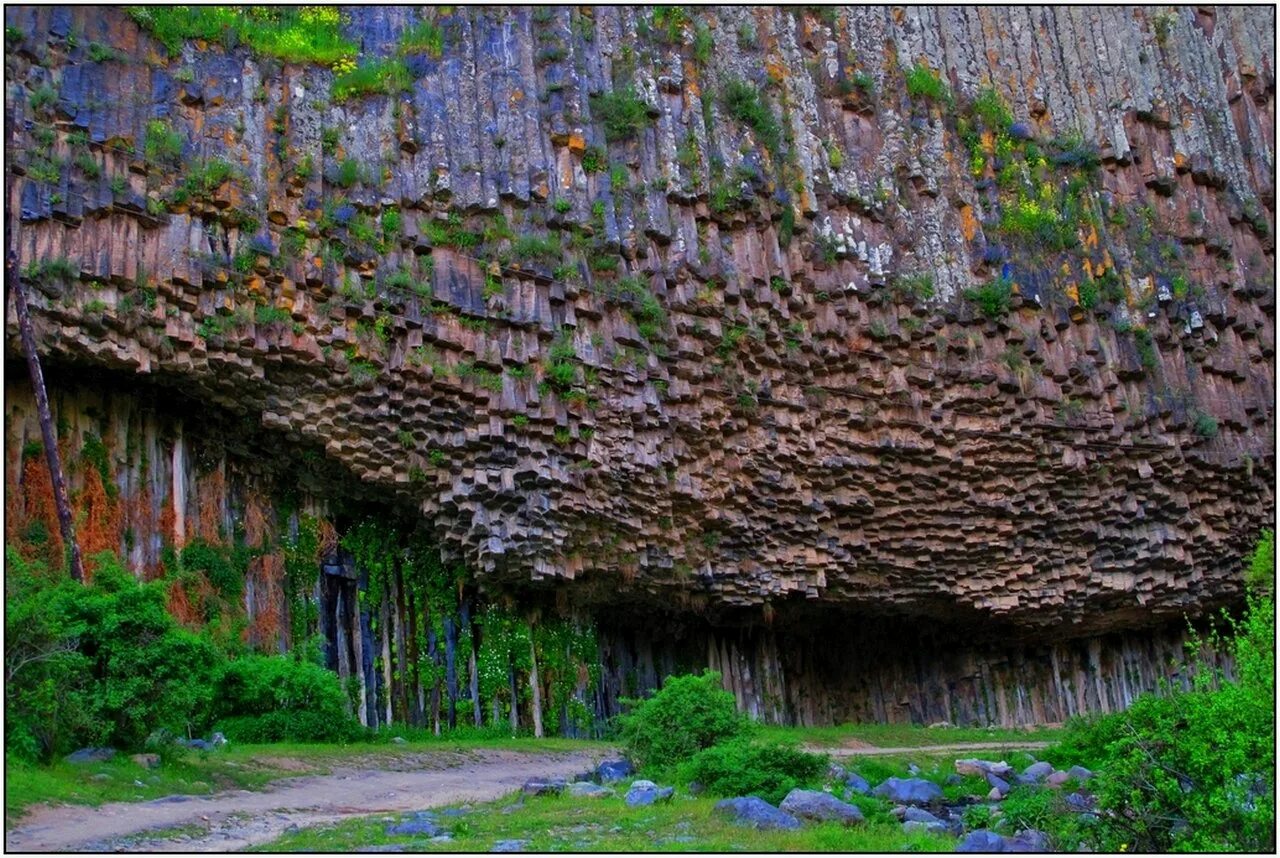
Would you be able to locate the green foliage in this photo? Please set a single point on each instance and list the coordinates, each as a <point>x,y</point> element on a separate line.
<point>278,699</point>
<point>690,713</point>
<point>543,248</point>
<point>991,109</point>
<point>1205,425</point>
<point>704,44</point>
<point>621,112</point>
<point>42,96</point>
<point>162,143</point>
<point>594,159</point>
<point>744,103</point>
<point>373,77</point>
<point>299,34</point>
<point>994,299</point>
<point>100,663</point>
<point>1193,770</point>
<point>768,770</point>
<point>1146,347</point>
<point>924,82</point>
<point>1260,575</point>
<point>426,38</point>
<point>1089,293</point>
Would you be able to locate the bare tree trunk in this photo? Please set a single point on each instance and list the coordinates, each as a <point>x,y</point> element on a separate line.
<point>533,686</point>
<point>65,522</point>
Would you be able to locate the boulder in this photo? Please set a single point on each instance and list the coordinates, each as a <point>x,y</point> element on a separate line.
<point>586,789</point>
<point>1028,840</point>
<point>915,814</point>
<point>755,812</point>
<point>543,786</point>
<point>820,807</point>
<point>644,793</point>
<point>197,744</point>
<point>398,740</point>
<point>418,825</point>
<point>981,840</point>
<point>995,795</point>
<point>147,761</point>
<point>909,791</point>
<point>1037,772</point>
<point>1080,773</point>
<point>998,784</point>
<point>217,740</point>
<point>91,755</point>
<point>857,783</point>
<point>1080,802</point>
<point>1057,779</point>
<point>982,768</point>
<point>613,770</point>
<point>509,846</point>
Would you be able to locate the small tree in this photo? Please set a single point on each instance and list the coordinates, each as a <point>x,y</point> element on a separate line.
<point>689,713</point>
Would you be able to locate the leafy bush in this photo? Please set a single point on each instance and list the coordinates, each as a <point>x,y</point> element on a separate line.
<point>276,698</point>
<point>688,714</point>
<point>1193,770</point>
<point>767,770</point>
<point>994,299</point>
<point>743,102</point>
<point>97,663</point>
<point>622,113</point>
<point>924,82</point>
<point>373,77</point>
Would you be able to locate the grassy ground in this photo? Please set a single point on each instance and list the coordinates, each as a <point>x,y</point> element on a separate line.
<point>234,767</point>
<point>123,780</point>
<point>253,766</point>
<point>567,824</point>
<point>907,735</point>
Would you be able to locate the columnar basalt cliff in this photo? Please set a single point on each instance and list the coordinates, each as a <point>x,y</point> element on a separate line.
<point>899,363</point>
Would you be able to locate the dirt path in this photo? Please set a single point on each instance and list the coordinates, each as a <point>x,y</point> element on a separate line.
<point>237,820</point>
<point>865,750</point>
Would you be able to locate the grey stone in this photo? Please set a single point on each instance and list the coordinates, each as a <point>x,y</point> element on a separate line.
<point>756,812</point>
<point>983,768</point>
<point>857,783</point>
<point>915,814</point>
<point>398,740</point>
<point>982,840</point>
<point>909,791</point>
<point>1080,802</point>
<point>91,755</point>
<point>217,740</point>
<point>584,789</point>
<point>509,846</point>
<point>644,793</point>
<point>415,826</point>
<point>1057,779</point>
<point>1028,840</point>
<point>543,786</point>
<point>1037,772</point>
<point>147,761</point>
<point>613,770</point>
<point>999,784</point>
<point>1080,773</point>
<point>820,806</point>
<point>912,825</point>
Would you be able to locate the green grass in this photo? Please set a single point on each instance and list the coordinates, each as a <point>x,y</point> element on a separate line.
<point>907,735</point>
<point>309,34</point>
<point>567,824</point>
<point>244,766</point>
<point>193,773</point>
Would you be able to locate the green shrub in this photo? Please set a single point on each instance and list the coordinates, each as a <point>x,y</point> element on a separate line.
<point>276,698</point>
<point>1193,770</point>
<point>162,143</point>
<point>621,112</point>
<point>298,34</point>
<point>100,663</point>
<point>994,299</point>
<point>373,77</point>
<point>991,109</point>
<point>743,102</point>
<point>924,82</point>
<point>688,714</point>
<point>426,38</point>
<point>767,770</point>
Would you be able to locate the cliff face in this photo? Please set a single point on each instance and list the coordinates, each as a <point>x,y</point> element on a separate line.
<point>739,316</point>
